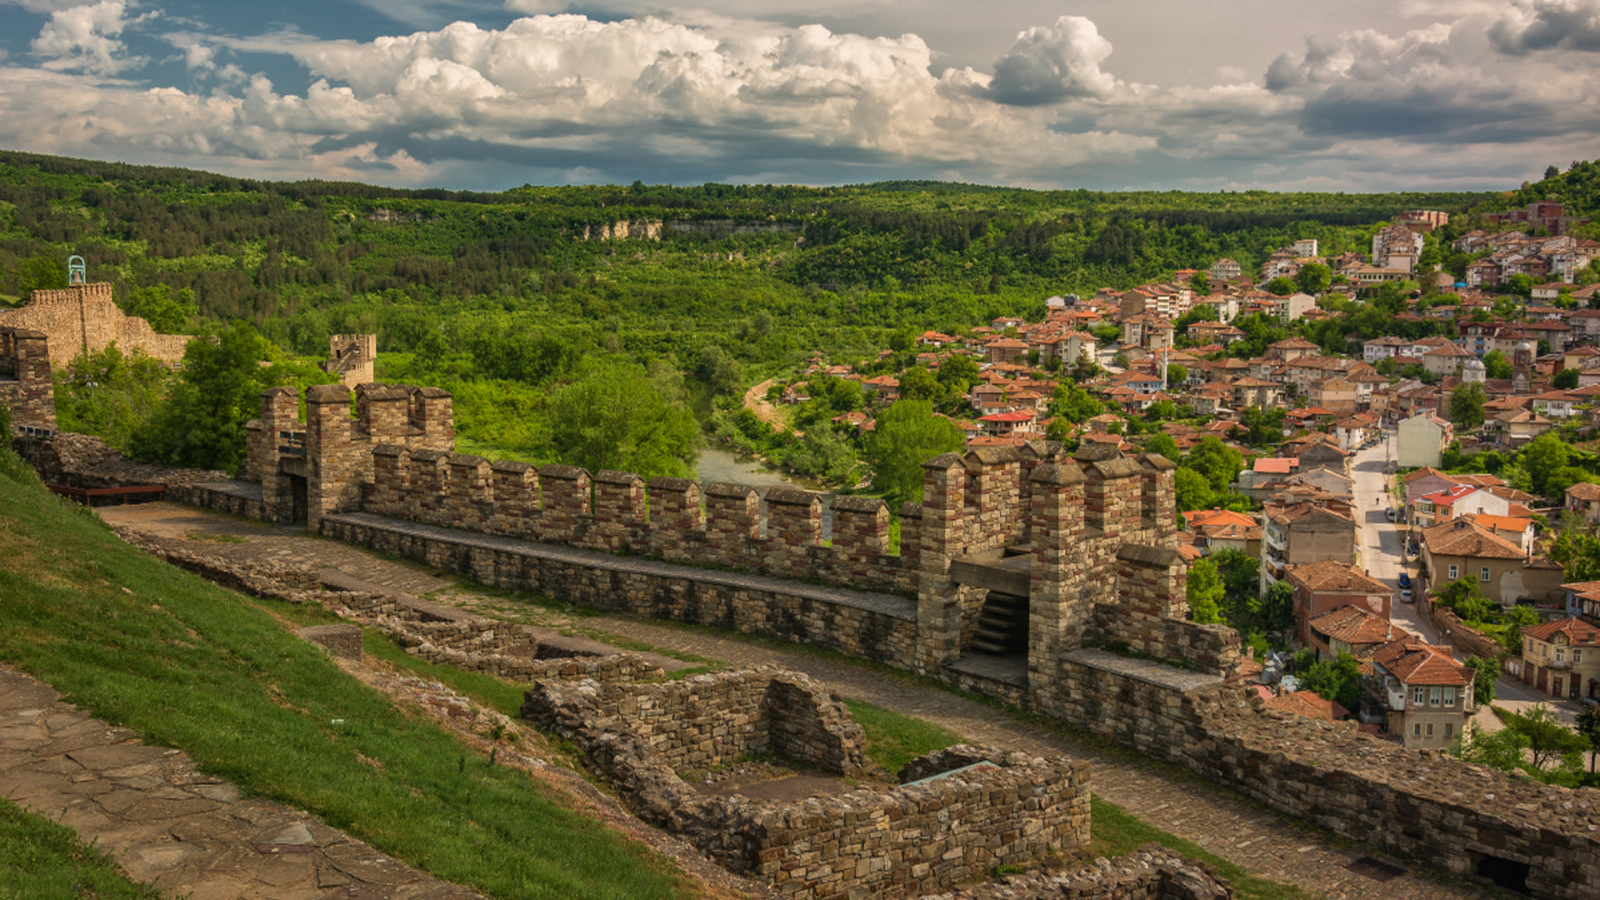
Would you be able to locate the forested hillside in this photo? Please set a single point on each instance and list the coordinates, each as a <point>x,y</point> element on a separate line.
<point>501,297</point>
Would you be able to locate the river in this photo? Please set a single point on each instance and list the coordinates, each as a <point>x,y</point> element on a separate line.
<point>717,464</point>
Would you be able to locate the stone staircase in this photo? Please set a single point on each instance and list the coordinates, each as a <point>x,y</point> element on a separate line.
<point>998,625</point>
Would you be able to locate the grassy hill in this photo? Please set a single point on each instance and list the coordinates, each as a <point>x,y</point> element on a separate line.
<point>189,665</point>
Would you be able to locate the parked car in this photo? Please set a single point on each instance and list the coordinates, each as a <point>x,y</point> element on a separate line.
<point>1406,596</point>
<point>1405,580</point>
<point>1389,513</point>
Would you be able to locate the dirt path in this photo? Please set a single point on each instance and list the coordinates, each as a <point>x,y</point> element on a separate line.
<point>1263,842</point>
<point>756,401</point>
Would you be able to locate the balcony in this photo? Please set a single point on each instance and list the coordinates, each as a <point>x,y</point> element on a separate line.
<point>1558,664</point>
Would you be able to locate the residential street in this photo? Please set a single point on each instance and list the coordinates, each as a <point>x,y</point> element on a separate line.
<point>1380,540</point>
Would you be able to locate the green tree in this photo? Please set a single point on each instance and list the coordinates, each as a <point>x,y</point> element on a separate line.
<point>110,394</point>
<point>614,417</point>
<point>167,313</point>
<point>1549,739</point>
<point>1280,286</point>
<point>1385,367</point>
<point>1313,278</point>
<point>1466,405</point>
<point>1075,404</point>
<point>1164,445</point>
<point>1486,672</point>
<point>1463,597</point>
<point>1502,749</point>
<point>825,455</point>
<point>720,372</point>
<point>907,435</point>
<point>1543,456</point>
<point>958,373</point>
<point>1566,379</point>
<point>40,273</point>
<point>202,423</point>
<point>1200,283</point>
<point>1206,592</point>
<point>1338,680</point>
<point>1192,490</point>
<point>1216,461</point>
<point>1496,366</point>
<point>917,383</point>
<point>1177,376</point>
<point>1277,607</point>
<point>1589,727</point>
<point>1261,427</point>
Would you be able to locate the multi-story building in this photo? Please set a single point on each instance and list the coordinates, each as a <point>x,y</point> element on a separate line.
<point>1328,585</point>
<point>1305,532</point>
<point>1424,694</point>
<point>1562,658</point>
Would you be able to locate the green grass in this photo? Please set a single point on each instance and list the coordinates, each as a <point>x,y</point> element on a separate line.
<point>503,696</point>
<point>894,739</point>
<point>40,860</point>
<point>189,665</point>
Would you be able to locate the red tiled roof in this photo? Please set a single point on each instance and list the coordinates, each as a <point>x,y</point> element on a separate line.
<point>1576,630</point>
<point>1332,575</point>
<point>1414,662</point>
<point>1354,625</point>
<point>1309,704</point>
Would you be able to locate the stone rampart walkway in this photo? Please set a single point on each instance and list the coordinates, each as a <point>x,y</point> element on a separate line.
<point>187,833</point>
<point>1263,842</point>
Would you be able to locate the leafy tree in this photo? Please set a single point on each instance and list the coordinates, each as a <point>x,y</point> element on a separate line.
<point>1161,411</point>
<point>202,423</point>
<point>1543,456</point>
<point>1496,365</point>
<point>917,383</point>
<point>40,273</point>
<point>1280,286</point>
<point>1502,749</point>
<point>835,396</point>
<point>1466,405</point>
<point>1200,283</point>
<point>907,435</point>
<point>614,417</point>
<point>1566,379</point>
<point>1565,477</point>
<point>1521,285</point>
<point>1589,727</point>
<point>1467,601</point>
<point>1192,490</point>
<point>167,313</point>
<point>1338,680</point>
<point>1164,445</point>
<point>958,373</point>
<point>1277,607</point>
<point>110,394</point>
<point>1517,618</point>
<point>1549,739</point>
<point>1216,461</point>
<point>1486,673</point>
<point>1578,552</point>
<point>1313,278</point>
<point>1075,404</point>
<point>824,455</point>
<point>1261,427</point>
<point>1385,367</point>
<point>1205,592</point>
<point>720,372</point>
<point>1177,375</point>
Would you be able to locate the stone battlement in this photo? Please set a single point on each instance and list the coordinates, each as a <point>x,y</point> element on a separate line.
<point>26,387</point>
<point>84,319</point>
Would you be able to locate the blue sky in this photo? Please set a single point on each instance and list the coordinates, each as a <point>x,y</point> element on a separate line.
<point>1112,94</point>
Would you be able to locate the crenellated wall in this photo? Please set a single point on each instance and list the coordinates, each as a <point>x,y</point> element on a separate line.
<point>26,387</point>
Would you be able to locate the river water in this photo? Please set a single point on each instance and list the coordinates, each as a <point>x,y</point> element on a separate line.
<point>717,464</point>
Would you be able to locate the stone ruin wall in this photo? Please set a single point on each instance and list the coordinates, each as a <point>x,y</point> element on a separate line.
<point>26,387</point>
<point>1419,805</point>
<point>906,841</point>
<point>84,318</point>
<point>353,357</point>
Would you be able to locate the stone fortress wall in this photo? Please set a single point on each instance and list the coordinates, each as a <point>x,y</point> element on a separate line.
<point>26,387</point>
<point>84,318</point>
<point>991,808</point>
<point>352,357</point>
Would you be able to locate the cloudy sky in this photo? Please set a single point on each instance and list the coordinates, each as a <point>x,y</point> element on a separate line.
<point>1358,95</point>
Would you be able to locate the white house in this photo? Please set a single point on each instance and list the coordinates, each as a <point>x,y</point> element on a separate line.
<point>1423,439</point>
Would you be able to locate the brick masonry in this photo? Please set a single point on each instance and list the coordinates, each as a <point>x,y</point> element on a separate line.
<point>912,839</point>
<point>26,387</point>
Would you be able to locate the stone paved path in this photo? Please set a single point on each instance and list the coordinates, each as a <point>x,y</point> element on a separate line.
<point>1263,842</point>
<point>187,833</point>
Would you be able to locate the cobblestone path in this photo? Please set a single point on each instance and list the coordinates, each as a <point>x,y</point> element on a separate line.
<point>188,834</point>
<point>1265,843</point>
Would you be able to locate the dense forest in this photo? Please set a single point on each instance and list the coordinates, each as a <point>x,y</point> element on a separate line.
<point>507,297</point>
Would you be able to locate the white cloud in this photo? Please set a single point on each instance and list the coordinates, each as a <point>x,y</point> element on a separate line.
<point>85,37</point>
<point>1051,63</point>
<point>1532,25</point>
<point>198,56</point>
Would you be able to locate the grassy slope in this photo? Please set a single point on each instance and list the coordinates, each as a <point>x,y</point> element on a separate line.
<point>40,860</point>
<point>189,665</point>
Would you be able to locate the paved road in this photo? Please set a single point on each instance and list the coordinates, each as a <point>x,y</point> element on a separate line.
<point>1381,540</point>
